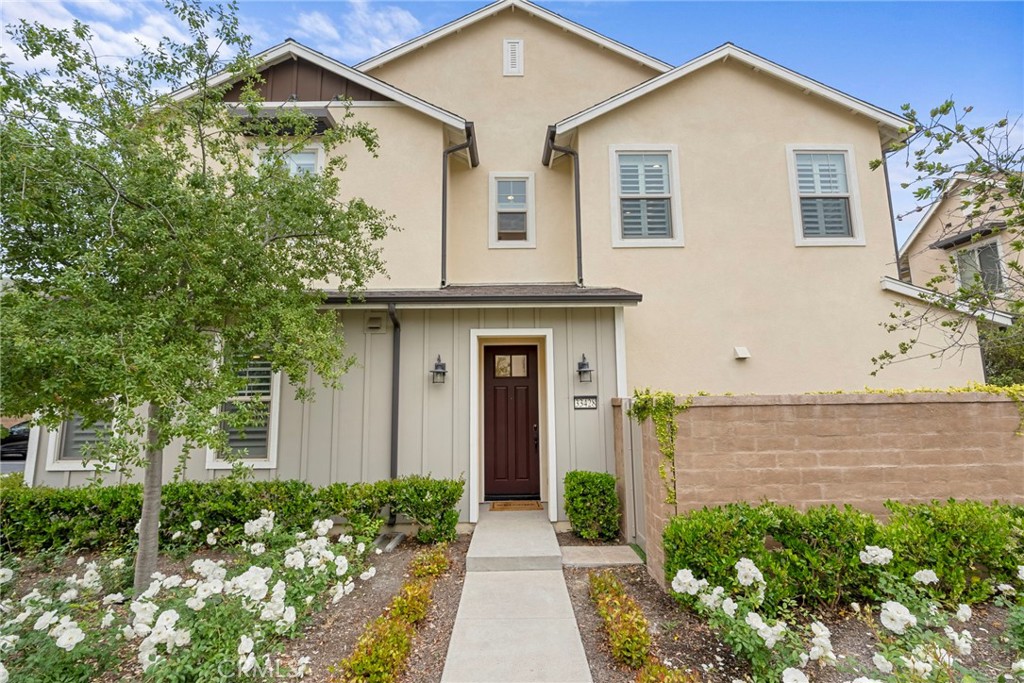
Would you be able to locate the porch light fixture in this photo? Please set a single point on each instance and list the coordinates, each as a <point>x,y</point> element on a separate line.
<point>583,370</point>
<point>440,370</point>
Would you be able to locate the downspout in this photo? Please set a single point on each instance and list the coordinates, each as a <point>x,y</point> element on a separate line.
<point>892,214</point>
<point>474,161</point>
<point>396,349</point>
<point>549,147</point>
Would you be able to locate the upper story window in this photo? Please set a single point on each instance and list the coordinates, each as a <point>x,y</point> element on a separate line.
<point>825,201</point>
<point>980,264</point>
<point>513,57</point>
<point>308,159</point>
<point>256,444</point>
<point>512,214</point>
<point>645,209</point>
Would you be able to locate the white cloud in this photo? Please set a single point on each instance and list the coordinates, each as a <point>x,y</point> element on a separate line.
<point>363,30</point>
<point>113,11</point>
<point>316,28</point>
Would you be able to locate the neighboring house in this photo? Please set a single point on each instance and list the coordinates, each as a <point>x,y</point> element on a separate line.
<point>963,245</point>
<point>612,223</point>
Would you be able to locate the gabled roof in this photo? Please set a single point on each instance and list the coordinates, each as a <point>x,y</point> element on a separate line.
<point>888,122</point>
<point>290,49</point>
<point>930,297</point>
<point>531,9</point>
<point>956,181</point>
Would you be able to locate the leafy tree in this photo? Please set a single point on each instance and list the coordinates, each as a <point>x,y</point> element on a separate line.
<point>982,166</point>
<point>147,256</point>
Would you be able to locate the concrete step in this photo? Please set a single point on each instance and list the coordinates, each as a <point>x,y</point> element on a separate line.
<point>513,541</point>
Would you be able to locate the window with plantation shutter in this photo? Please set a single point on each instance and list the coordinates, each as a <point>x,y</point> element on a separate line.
<point>69,445</point>
<point>980,265</point>
<point>254,444</point>
<point>824,187</point>
<point>513,57</point>
<point>645,211</point>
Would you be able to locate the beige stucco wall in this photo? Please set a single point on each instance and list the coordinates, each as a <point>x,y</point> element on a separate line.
<point>463,73</point>
<point>809,315</point>
<point>344,434</point>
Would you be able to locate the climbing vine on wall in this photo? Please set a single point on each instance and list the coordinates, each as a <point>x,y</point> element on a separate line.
<point>661,407</point>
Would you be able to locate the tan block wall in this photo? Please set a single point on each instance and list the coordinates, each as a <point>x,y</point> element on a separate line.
<point>806,451</point>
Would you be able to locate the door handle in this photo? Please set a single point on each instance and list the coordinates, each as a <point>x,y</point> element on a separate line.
<point>536,438</point>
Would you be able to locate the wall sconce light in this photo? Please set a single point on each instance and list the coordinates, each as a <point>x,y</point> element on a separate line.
<point>584,371</point>
<point>440,370</point>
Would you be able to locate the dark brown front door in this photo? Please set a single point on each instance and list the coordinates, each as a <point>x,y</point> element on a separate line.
<point>511,436</point>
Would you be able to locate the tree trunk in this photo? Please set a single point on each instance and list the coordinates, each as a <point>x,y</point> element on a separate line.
<point>149,525</point>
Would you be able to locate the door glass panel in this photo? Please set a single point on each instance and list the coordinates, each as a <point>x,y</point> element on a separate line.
<point>519,366</point>
<point>502,366</point>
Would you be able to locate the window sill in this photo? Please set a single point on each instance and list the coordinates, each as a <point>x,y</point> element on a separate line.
<point>831,242</point>
<point>647,243</point>
<point>251,464</point>
<point>76,466</point>
<point>526,244</point>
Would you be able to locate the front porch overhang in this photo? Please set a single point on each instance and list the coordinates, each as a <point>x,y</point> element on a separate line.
<point>490,296</point>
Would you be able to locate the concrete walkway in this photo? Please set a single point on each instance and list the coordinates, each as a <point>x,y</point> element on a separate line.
<point>515,622</point>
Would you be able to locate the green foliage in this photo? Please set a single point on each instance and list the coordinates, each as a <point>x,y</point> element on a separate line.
<point>661,408</point>
<point>430,562</point>
<point>413,601</point>
<point>104,517</point>
<point>1002,349</point>
<point>653,672</point>
<point>431,503</point>
<point>813,558</point>
<point>1015,628</point>
<point>360,504</point>
<point>592,505</point>
<point>969,545</point>
<point>628,630</point>
<point>381,651</point>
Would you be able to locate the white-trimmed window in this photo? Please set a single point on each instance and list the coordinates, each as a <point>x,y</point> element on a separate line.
<point>512,49</point>
<point>980,262</point>
<point>309,159</point>
<point>645,196</point>
<point>254,445</point>
<point>826,208</point>
<point>512,214</point>
<point>65,451</point>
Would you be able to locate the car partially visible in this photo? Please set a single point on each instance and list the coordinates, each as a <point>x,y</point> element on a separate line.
<point>14,447</point>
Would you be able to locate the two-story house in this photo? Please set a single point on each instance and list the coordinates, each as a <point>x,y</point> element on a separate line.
<point>578,220</point>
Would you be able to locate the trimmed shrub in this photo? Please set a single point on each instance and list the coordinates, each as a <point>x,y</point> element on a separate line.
<point>628,631</point>
<point>380,653</point>
<point>433,562</point>
<point>104,517</point>
<point>813,558</point>
<point>431,503</point>
<point>592,505</point>
<point>653,672</point>
<point>969,545</point>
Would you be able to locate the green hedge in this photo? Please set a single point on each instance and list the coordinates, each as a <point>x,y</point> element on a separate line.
<point>592,505</point>
<point>813,557</point>
<point>100,517</point>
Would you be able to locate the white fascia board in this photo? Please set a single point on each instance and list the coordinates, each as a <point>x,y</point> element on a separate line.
<point>528,7</point>
<point>890,284</point>
<point>290,48</point>
<point>884,118</point>
<point>413,306</point>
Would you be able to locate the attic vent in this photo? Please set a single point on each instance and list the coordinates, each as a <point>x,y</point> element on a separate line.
<point>513,57</point>
<point>374,323</point>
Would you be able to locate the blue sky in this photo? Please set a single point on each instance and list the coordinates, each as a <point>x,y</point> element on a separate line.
<point>886,53</point>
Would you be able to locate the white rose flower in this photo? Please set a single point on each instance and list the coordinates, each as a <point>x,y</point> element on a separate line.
<point>108,619</point>
<point>195,604</point>
<point>246,663</point>
<point>176,535</point>
<point>896,617</point>
<point>257,549</point>
<point>8,642</point>
<point>245,645</point>
<point>68,595</point>
<point>45,620</point>
<point>70,637</point>
<point>196,525</point>
<point>1017,666</point>
<point>729,607</point>
<point>1007,589</point>
<point>302,667</point>
<point>881,663</point>
<point>873,554</point>
<point>865,679</point>
<point>117,564</point>
<point>295,560</point>
<point>926,577</point>
<point>211,539</point>
<point>792,675</point>
<point>747,572</point>
<point>1020,572</point>
<point>964,613</point>
<point>4,676</point>
<point>368,574</point>
<point>6,575</point>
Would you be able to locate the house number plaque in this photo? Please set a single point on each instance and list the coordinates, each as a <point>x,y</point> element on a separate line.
<point>584,402</point>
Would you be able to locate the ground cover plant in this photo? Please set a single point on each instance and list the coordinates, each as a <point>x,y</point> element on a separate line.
<point>915,596</point>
